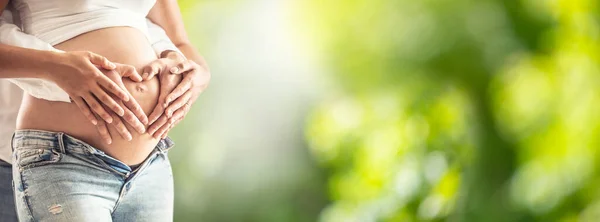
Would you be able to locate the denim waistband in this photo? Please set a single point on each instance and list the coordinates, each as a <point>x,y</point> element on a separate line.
<point>61,142</point>
<point>25,138</point>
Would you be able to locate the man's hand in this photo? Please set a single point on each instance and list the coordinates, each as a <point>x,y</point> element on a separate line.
<point>176,97</point>
<point>79,74</point>
<point>134,115</point>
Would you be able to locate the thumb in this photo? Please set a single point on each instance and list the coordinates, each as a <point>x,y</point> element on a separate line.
<point>101,61</point>
<point>132,74</point>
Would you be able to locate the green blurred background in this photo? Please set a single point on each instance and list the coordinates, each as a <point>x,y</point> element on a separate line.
<point>392,110</point>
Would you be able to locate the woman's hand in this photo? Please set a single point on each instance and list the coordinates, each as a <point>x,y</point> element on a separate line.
<point>176,97</point>
<point>133,111</point>
<point>79,74</point>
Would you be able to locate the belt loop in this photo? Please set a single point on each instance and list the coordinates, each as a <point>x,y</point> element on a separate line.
<point>159,146</point>
<point>12,139</point>
<point>61,142</point>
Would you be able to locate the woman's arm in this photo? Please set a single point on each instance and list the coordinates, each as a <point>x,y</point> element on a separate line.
<point>84,88</point>
<point>14,62</point>
<point>76,73</point>
<point>174,104</point>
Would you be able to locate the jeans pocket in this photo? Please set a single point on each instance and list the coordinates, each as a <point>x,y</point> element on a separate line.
<point>33,157</point>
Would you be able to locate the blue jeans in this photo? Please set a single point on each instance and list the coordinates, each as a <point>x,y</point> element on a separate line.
<point>60,178</point>
<point>7,200</point>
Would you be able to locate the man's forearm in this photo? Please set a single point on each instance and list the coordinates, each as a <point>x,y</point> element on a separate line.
<point>16,62</point>
<point>192,53</point>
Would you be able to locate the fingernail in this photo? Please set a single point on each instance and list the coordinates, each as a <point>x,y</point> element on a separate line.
<point>174,70</point>
<point>129,138</point>
<point>109,141</point>
<point>169,113</point>
<point>109,120</point>
<point>165,105</point>
<point>112,65</point>
<point>94,122</point>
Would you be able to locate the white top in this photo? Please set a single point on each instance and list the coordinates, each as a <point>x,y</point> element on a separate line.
<point>52,23</point>
<point>60,20</point>
<point>11,96</point>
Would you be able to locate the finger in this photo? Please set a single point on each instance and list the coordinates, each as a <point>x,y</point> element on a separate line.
<point>132,74</point>
<point>101,61</point>
<point>183,87</point>
<point>146,72</point>
<point>155,114</point>
<point>179,120</point>
<point>108,101</point>
<point>85,110</point>
<point>173,125</point>
<point>163,130</point>
<point>121,128</point>
<point>157,125</point>
<point>179,114</point>
<point>137,111</point>
<point>97,108</point>
<point>159,108</point>
<point>164,135</point>
<point>112,87</point>
<point>182,67</point>
<point>177,117</point>
<point>153,69</point>
<point>177,104</point>
<point>134,121</point>
<point>103,131</point>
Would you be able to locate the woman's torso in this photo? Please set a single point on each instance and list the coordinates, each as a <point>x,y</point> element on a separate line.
<point>124,45</point>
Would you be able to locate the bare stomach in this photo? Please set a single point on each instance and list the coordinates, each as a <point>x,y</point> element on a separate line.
<point>121,45</point>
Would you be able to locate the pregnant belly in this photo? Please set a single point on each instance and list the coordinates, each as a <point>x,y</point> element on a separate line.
<point>122,45</point>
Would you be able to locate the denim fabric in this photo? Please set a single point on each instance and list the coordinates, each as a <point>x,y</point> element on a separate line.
<point>60,178</point>
<point>7,200</point>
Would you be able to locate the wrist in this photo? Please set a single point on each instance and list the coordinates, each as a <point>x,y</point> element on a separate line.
<point>51,61</point>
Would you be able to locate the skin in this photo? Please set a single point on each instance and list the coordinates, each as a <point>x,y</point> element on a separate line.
<point>82,75</point>
<point>128,46</point>
<point>85,69</point>
<point>175,104</point>
<point>180,94</point>
<point>176,95</point>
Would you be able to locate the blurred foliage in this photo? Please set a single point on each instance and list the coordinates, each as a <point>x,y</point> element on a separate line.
<point>235,160</point>
<point>458,110</point>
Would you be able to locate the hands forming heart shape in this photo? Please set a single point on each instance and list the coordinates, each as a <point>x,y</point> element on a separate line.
<point>181,82</point>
